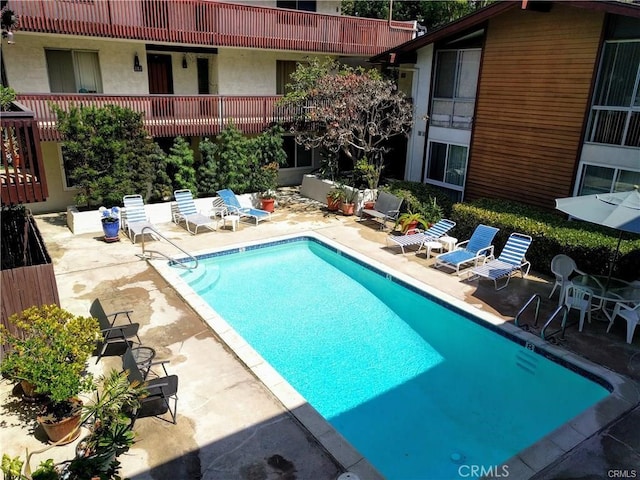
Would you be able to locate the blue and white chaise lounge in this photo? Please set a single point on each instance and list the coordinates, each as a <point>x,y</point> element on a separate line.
<point>136,217</point>
<point>234,208</point>
<point>188,213</point>
<point>419,237</point>
<point>512,259</point>
<point>478,247</point>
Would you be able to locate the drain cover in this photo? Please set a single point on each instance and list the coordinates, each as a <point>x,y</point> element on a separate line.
<point>348,476</point>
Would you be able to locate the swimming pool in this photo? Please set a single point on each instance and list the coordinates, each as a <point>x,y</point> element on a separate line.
<point>391,404</point>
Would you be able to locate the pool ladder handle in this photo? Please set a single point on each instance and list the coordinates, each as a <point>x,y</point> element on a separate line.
<point>561,309</point>
<point>180,262</point>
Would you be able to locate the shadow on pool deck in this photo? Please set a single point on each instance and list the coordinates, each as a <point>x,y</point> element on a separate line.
<point>229,425</point>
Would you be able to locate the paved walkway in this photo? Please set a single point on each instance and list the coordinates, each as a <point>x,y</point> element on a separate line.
<point>230,426</point>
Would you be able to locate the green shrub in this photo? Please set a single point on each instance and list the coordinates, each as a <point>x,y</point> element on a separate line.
<point>422,193</point>
<point>591,246</point>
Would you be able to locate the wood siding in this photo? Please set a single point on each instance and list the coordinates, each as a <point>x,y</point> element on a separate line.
<point>532,100</point>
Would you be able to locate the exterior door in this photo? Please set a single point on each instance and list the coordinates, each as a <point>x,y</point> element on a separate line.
<point>160,83</point>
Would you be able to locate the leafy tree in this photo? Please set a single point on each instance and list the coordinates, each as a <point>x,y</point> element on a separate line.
<point>427,12</point>
<point>180,165</point>
<point>345,109</point>
<point>161,187</point>
<point>269,155</point>
<point>108,151</point>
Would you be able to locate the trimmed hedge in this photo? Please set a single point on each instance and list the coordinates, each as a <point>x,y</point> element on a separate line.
<point>591,246</point>
<point>423,193</point>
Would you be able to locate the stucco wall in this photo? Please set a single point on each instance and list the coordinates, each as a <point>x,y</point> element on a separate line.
<point>59,198</point>
<point>420,92</point>
<point>26,64</point>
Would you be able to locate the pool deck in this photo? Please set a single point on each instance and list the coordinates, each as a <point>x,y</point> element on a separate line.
<point>232,426</point>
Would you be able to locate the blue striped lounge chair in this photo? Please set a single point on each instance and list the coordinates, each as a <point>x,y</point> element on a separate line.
<point>412,238</point>
<point>188,213</point>
<point>234,208</point>
<point>477,248</point>
<point>136,217</point>
<point>512,259</point>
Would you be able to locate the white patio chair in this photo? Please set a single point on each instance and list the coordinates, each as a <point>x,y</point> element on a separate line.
<point>630,313</point>
<point>563,267</point>
<point>579,298</point>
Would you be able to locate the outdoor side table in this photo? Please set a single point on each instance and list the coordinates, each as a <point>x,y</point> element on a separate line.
<point>234,219</point>
<point>432,246</point>
<point>448,242</point>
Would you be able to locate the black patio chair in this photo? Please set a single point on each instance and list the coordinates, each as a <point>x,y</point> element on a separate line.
<point>162,391</point>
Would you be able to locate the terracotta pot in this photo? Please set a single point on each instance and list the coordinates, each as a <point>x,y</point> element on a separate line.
<point>28,389</point>
<point>268,204</point>
<point>56,431</point>
<point>369,205</point>
<point>410,227</point>
<point>348,208</point>
<point>333,205</point>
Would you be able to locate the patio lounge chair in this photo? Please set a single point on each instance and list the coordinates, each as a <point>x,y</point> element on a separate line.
<point>419,237</point>
<point>234,207</point>
<point>136,217</point>
<point>511,260</point>
<point>476,248</point>
<point>188,213</point>
<point>161,391</point>
<point>387,207</point>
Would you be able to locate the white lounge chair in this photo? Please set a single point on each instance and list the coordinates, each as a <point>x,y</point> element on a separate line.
<point>387,207</point>
<point>234,208</point>
<point>135,217</point>
<point>188,213</point>
<point>512,259</point>
<point>478,247</point>
<point>419,237</point>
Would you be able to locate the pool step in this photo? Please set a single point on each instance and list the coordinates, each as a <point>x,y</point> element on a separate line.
<point>204,283</point>
<point>527,361</point>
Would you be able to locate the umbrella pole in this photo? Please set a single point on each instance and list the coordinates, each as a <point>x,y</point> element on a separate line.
<point>615,259</point>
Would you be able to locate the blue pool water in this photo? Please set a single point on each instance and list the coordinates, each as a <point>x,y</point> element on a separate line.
<point>415,385</point>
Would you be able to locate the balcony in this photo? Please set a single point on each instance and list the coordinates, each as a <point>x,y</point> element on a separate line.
<point>201,22</point>
<point>168,115</point>
<point>22,178</point>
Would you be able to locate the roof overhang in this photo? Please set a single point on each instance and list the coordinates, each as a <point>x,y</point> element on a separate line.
<point>407,50</point>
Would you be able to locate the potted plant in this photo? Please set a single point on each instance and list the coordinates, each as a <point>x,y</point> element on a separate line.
<point>349,196</point>
<point>110,223</point>
<point>109,422</point>
<point>334,199</point>
<point>50,350</point>
<point>409,221</point>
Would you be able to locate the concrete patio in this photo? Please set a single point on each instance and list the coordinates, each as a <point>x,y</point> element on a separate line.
<point>230,426</point>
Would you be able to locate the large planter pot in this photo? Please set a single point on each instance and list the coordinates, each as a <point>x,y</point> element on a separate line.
<point>348,208</point>
<point>111,230</point>
<point>56,431</point>
<point>268,204</point>
<point>333,205</point>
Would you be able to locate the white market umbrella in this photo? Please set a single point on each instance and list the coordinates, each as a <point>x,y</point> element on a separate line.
<point>620,211</point>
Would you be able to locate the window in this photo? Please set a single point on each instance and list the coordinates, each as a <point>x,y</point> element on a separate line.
<point>615,113</point>
<point>305,5</point>
<point>447,165</point>
<point>297,156</point>
<point>73,71</point>
<point>598,179</point>
<point>65,168</point>
<point>454,90</point>
<point>284,69</point>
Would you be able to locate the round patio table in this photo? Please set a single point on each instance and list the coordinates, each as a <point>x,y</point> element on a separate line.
<point>615,290</point>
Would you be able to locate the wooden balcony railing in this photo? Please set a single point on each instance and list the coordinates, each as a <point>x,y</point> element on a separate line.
<point>22,178</point>
<point>168,115</point>
<point>202,22</point>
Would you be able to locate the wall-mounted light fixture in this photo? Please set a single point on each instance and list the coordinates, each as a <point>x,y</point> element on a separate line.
<point>136,63</point>
<point>184,61</point>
